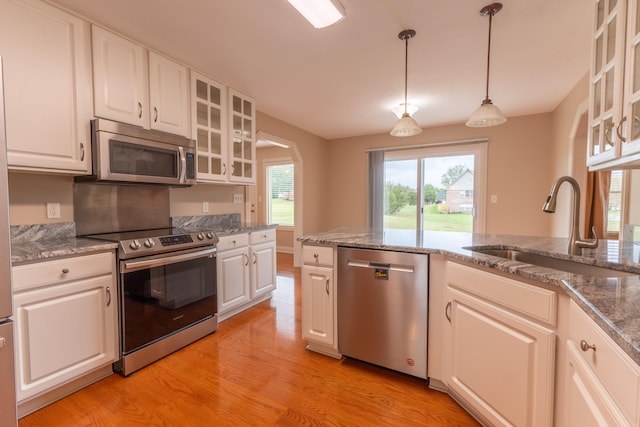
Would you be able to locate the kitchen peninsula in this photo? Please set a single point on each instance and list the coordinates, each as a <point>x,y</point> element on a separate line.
<point>555,304</point>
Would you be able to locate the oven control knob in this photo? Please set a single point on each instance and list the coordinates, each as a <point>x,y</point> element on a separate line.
<point>149,243</point>
<point>209,235</point>
<point>134,245</point>
<point>200,236</point>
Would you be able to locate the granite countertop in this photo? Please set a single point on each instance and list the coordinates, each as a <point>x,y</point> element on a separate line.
<point>612,302</point>
<point>33,243</point>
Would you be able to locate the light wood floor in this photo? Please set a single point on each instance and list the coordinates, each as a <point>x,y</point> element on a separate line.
<point>255,371</point>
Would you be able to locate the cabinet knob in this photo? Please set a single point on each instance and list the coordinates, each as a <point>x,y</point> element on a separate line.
<point>65,271</point>
<point>585,346</point>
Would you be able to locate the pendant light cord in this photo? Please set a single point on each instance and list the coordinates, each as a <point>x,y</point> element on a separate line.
<point>406,66</point>
<point>486,98</point>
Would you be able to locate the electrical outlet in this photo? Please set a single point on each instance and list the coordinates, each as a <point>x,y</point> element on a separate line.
<point>53,210</point>
<point>205,206</point>
<point>494,198</point>
<point>238,198</point>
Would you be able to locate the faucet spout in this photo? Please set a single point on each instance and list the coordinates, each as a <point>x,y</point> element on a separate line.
<point>575,242</point>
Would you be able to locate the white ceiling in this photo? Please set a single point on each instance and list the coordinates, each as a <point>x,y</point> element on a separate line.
<point>342,80</point>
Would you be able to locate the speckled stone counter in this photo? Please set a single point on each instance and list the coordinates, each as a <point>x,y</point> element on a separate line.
<point>612,302</point>
<point>31,243</point>
<point>221,224</point>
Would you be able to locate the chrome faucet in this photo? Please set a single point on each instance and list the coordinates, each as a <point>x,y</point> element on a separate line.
<point>575,243</point>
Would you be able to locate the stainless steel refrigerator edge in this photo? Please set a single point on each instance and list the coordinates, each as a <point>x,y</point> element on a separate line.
<point>8,415</point>
<point>382,308</point>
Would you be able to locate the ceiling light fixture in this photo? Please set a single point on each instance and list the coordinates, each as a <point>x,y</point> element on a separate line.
<point>399,109</point>
<point>406,126</point>
<point>320,13</point>
<point>488,114</point>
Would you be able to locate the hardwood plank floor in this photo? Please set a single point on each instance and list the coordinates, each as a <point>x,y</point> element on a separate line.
<point>255,371</point>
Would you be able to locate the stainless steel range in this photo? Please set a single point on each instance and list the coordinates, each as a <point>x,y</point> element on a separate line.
<point>167,276</point>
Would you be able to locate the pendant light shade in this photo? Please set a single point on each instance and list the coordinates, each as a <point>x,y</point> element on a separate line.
<point>406,126</point>
<point>488,114</point>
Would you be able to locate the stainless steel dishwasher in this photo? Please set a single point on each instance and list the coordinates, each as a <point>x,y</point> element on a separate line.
<point>382,308</point>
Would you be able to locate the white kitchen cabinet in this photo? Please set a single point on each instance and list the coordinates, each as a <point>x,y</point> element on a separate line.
<point>138,87</point>
<point>47,82</point>
<point>603,384</point>
<point>66,317</point>
<point>262,254</point>
<point>499,348</point>
<point>614,110</point>
<point>233,273</point>
<point>246,265</point>
<point>242,138</point>
<point>319,302</point>
<point>209,128</point>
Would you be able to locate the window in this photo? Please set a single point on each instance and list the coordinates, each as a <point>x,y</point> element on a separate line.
<point>439,188</point>
<point>280,195</point>
<point>614,203</point>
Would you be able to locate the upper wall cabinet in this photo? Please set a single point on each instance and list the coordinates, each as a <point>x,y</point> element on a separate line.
<point>614,111</point>
<point>131,87</point>
<point>47,84</point>
<point>223,124</point>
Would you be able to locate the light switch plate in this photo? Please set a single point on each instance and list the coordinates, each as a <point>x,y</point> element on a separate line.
<point>238,198</point>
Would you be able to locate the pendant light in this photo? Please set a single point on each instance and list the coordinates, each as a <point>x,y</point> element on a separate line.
<point>406,126</point>
<point>488,114</point>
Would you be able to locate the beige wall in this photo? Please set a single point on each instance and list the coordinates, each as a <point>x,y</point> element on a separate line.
<point>518,172</point>
<point>188,201</point>
<point>29,194</point>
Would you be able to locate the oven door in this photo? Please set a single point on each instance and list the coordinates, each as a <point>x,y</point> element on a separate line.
<point>163,294</point>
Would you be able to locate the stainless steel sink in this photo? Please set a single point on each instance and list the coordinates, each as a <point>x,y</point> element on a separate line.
<point>554,263</point>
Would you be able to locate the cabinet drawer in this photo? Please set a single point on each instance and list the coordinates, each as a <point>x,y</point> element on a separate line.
<point>233,241</point>
<point>262,236</point>
<point>614,369</point>
<point>62,270</point>
<point>317,255</point>
<point>535,302</point>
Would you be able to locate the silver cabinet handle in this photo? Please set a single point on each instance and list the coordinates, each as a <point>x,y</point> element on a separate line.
<point>327,286</point>
<point>618,132</point>
<point>139,109</point>
<point>447,311</point>
<point>255,259</point>
<point>65,271</point>
<point>247,258</point>
<point>108,296</point>
<point>82,151</point>
<point>155,114</point>
<point>585,346</point>
<point>224,169</point>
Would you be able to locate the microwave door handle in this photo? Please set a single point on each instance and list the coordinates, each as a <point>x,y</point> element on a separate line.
<point>183,166</point>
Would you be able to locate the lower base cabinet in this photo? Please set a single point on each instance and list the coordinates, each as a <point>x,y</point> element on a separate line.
<point>66,318</point>
<point>319,323</point>
<point>500,362</point>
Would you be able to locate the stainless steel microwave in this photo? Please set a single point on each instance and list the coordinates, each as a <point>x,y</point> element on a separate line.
<point>129,154</point>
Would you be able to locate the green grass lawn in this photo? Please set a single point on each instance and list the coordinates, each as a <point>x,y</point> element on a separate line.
<point>433,221</point>
<point>282,211</point>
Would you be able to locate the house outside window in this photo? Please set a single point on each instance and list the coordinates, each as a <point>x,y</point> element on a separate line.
<point>280,194</point>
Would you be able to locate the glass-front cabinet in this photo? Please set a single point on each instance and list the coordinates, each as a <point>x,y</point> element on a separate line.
<point>224,130</point>
<point>614,110</point>
<point>209,99</point>
<point>242,125</point>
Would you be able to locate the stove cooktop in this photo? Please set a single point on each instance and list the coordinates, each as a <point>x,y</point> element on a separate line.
<point>149,242</point>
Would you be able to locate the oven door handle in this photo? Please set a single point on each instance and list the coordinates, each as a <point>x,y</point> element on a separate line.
<point>128,266</point>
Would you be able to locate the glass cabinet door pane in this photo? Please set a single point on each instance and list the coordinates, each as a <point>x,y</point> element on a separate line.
<point>609,134</point>
<point>202,114</point>
<point>237,104</point>
<point>214,95</point>
<point>237,169</point>
<point>608,90</point>
<point>598,55</point>
<point>247,108</point>
<point>597,106</point>
<point>237,125</point>
<point>247,128</point>
<point>635,121</point>
<point>203,141</point>
<point>203,164</point>
<point>612,5</point>
<point>215,118</point>
<point>595,141</point>
<point>248,170</point>
<point>611,40</point>
<point>216,144</point>
<point>247,150</point>
<point>216,166</point>
<point>201,90</point>
<point>237,148</point>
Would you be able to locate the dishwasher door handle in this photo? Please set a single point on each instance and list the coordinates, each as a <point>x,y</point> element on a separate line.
<point>374,265</point>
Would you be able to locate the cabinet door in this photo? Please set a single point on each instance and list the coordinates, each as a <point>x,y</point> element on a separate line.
<point>233,278</point>
<point>209,119</point>
<point>242,138</point>
<point>47,80</point>
<point>631,143</point>
<point>588,403</point>
<point>606,81</point>
<point>119,79</point>
<point>62,332</point>
<point>318,305</point>
<point>500,363</point>
<point>263,268</point>
<point>168,95</point>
